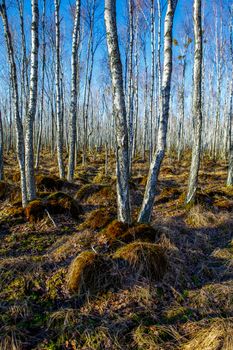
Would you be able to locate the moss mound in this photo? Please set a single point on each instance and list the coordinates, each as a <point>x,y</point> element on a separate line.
<point>89,274</point>
<point>144,258</point>
<point>217,335</point>
<point>121,232</point>
<point>99,218</point>
<point>115,231</point>
<point>35,210</point>
<point>87,190</point>
<point>56,203</point>
<point>105,196</point>
<point>51,183</point>
<point>60,202</point>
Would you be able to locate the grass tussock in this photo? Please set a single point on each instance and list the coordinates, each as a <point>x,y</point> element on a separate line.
<point>99,218</point>
<point>89,274</point>
<point>218,334</point>
<point>144,258</point>
<point>154,337</point>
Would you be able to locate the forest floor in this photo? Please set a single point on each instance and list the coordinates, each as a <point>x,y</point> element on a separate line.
<point>180,299</point>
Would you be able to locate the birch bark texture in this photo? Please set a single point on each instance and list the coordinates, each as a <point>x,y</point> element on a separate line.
<point>30,117</point>
<point>197,102</point>
<point>58,92</point>
<point>151,186</point>
<point>119,111</point>
<point>73,102</point>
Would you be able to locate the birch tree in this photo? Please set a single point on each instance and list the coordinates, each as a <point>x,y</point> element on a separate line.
<point>15,97</point>
<point>58,92</point>
<point>197,102</point>
<point>42,88</point>
<point>30,117</point>
<point>230,166</point>
<point>73,102</point>
<point>151,186</point>
<point>119,110</point>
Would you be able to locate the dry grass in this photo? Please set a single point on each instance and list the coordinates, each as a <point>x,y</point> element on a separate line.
<point>218,334</point>
<point>89,274</point>
<point>145,259</point>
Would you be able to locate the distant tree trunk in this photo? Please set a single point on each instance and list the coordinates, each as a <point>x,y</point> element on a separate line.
<point>181,108</point>
<point>197,102</point>
<point>30,117</point>
<point>42,87</point>
<point>151,186</point>
<point>58,93</point>
<point>73,102</point>
<point>230,166</point>
<point>15,94</point>
<point>119,110</point>
<point>1,148</point>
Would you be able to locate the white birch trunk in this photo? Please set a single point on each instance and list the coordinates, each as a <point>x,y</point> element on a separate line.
<point>73,102</point>
<point>119,110</point>
<point>197,102</point>
<point>58,93</point>
<point>151,186</point>
<point>30,117</point>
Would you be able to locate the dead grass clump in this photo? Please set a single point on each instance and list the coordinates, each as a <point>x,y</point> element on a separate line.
<point>99,219</point>
<point>89,274</point>
<point>99,338</point>
<point>198,217</point>
<point>87,190</point>
<point>105,196</point>
<point>144,258</point>
<point>215,298</point>
<point>218,334</point>
<point>154,337</point>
